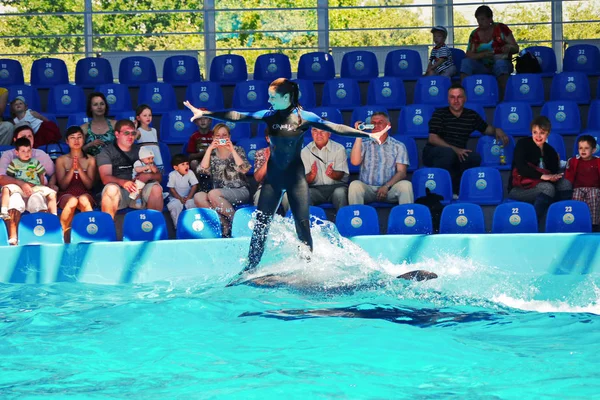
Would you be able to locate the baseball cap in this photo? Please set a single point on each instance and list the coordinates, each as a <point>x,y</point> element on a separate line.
<point>439,28</point>
<point>145,152</point>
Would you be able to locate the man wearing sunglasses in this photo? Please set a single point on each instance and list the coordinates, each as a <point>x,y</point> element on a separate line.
<point>115,165</point>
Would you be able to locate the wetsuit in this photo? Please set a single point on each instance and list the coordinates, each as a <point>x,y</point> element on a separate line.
<point>285,171</point>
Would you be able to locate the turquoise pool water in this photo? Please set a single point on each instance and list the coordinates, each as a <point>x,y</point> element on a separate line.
<point>350,331</point>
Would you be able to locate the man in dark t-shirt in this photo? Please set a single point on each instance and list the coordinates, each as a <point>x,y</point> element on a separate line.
<point>449,131</point>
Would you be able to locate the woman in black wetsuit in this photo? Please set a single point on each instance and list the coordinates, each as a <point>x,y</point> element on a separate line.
<point>286,123</point>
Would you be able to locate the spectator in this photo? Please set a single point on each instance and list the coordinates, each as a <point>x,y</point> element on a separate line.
<point>196,148</point>
<point>75,175</point>
<point>440,61</point>
<point>326,168</point>
<point>148,135</point>
<point>100,131</point>
<point>6,128</point>
<point>382,168</point>
<point>490,48</point>
<point>449,131</point>
<point>535,178</point>
<point>115,165</point>
<point>45,131</point>
<point>144,165</point>
<point>182,187</point>
<point>261,159</point>
<point>227,165</point>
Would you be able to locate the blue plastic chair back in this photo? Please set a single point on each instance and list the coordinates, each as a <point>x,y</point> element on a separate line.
<point>482,89</point>
<point>205,95</point>
<point>364,113</point>
<point>582,58</point>
<point>411,149</point>
<point>558,143</point>
<point>11,73</point>
<point>593,122</point>
<point>26,93</point>
<point>243,222</point>
<point>316,66</point>
<point>479,109</point>
<point>181,70</point>
<point>199,223</point>
<point>514,118</point>
<point>269,67</point>
<point>357,219</point>
<point>462,218</point>
<point>360,65</point>
<point>64,100</point>
<point>347,142</point>
<point>572,86</point>
<point>437,180</point>
<point>144,225</point>
<point>250,146</point>
<point>308,96</point>
<point>240,131</point>
<point>130,115</point>
<point>40,228</point>
<point>176,127</point>
<point>117,96</point>
<point>78,119</point>
<point>527,88</point>
<point>546,58</point>
<point>595,135</point>
<point>490,149</point>
<point>166,166</point>
<point>251,96</point>
<point>6,148</point>
<point>342,93</point>
<point>137,70</point>
<point>316,215</point>
<point>432,90</point>
<point>3,235</point>
<point>48,72</point>
<point>515,217</point>
<point>228,68</point>
<point>404,63</point>
<point>481,185</point>
<point>387,91</point>
<point>93,226</point>
<point>414,120</point>
<point>159,96</point>
<point>329,113</point>
<point>410,219</point>
<point>564,116</point>
<point>457,56</point>
<point>568,216</point>
<point>93,71</point>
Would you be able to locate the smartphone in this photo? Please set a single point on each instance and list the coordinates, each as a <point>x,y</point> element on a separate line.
<point>222,142</point>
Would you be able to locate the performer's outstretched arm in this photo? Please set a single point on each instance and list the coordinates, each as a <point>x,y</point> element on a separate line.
<point>233,116</point>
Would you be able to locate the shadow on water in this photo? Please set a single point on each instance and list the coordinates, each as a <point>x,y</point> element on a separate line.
<point>582,251</point>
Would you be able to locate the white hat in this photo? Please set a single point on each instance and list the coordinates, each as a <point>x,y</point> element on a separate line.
<point>145,152</point>
<point>440,28</point>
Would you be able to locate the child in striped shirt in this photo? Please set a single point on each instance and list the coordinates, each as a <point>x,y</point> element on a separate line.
<point>440,61</point>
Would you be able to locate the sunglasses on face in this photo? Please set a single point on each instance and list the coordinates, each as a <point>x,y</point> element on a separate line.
<point>128,133</point>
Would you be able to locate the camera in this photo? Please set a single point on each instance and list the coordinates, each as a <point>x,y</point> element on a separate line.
<point>222,142</point>
<point>362,127</point>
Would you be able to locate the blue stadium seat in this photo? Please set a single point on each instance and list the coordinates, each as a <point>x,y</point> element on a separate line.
<point>199,223</point>
<point>414,120</point>
<point>176,127</point>
<point>165,155</point>
<point>593,122</point>
<point>250,145</point>
<point>6,148</point>
<point>137,70</point>
<point>342,93</point>
<point>240,130</point>
<point>40,228</point>
<point>411,148</point>
<point>388,92</point>
<point>251,96</point>
<point>572,86</point>
<point>557,142</point>
<point>93,226</point>
<point>29,94</point>
<point>490,150</point>
<point>159,96</point>
<point>514,118</point>
<point>357,219</point>
<point>3,235</point>
<point>481,185</point>
<point>52,118</point>
<point>347,142</point>
<point>181,70</point>
<point>117,97</point>
<point>432,90</point>
<point>329,113</point>
<point>564,116</point>
<point>55,150</point>
<point>595,135</point>
<point>457,56</point>
<point>11,73</point>
<point>410,219</point>
<point>568,216</point>
<point>316,66</point>
<point>78,119</point>
<point>462,218</point>
<point>130,115</point>
<point>315,213</point>
<point>64,100</point>
<point>404,63</point>
<point>243,222</point>
<point>479,109</point>
<point>360,65</point>
<point>482,89</point>
<point>205,95</point>
<point>546,58</point>
<point>515,217</point>
<point>228,68</point>
<point>364,113</point>
<point>582,58</point>
<point>269,67</point>
<point>48,72</point>
<point>308,96</point>
<point>528,88</point>
<point>93,71</point>
<point>438,181</point>
<point>144,225</point>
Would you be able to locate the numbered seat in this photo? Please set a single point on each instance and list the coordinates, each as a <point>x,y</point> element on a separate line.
<point>243,222</point>
<point>478,108</point>
<point>564,116</point>
<point>593,122</point>
<point>347,142</point>
<point>316,66</point>
<point>364,113</point>
<point>595,135</point>
<point>228,68</point>
<point>93,226</point>
<point>481,185</point>
<point>404,63</point>
<point>130,115</point>
<point>527,88</point>
<point>514,118</point>
<point>437,180</point>
<point>357,220</point>
<point>573,86</point>
<point>205,95</point>
<point>462,218</point>
<point>137,70</point>
<point>432,90</point>
<point>387,91</point>
<point>515,217</point>
<point>117,97</point>
<point>78,119</point>
<point>240,131</point>
<point>582,58</point>
<point>360,65</point>
<point>410,219</point>
<point>48,72</point>
<point>176,127</point>
<point>568,216</point>
<point>251,96</point>
<point>199,223</point>
<point>411,149</point>
<point>144,225</point>
<point>40,228</point>
<point>546,57</point>
<point>316,214</point>
<point>11,73</point>
<point>159,96</point>
<point>341,93</point>
<point>329,113</point>
<point>26,93</point>
<point>250,146</point>
<point>64,100</point>
<point>414,120</point>
<point>181,70</point>
<point>492,150</point>
<point>93,71</point>
<point>557,142</point>
<point>269,67</point>
<point>308,96</point>
<point>457,56</point>
<point>482,89</point>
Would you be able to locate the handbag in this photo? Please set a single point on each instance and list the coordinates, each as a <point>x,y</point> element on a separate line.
<point>523,182</point>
